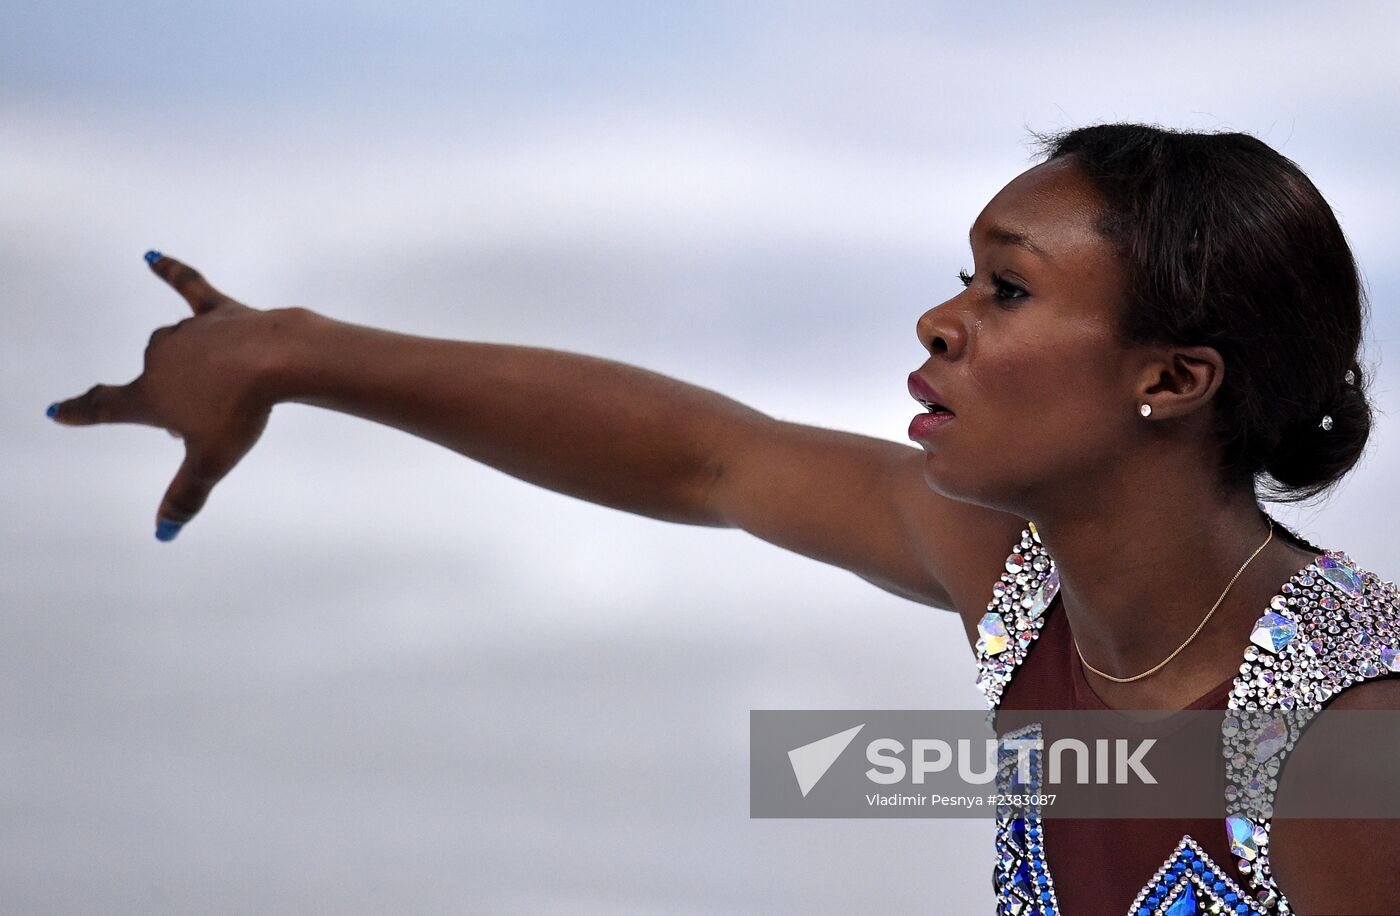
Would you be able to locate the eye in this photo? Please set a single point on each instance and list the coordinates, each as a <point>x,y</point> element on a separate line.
<point>1005,290</point>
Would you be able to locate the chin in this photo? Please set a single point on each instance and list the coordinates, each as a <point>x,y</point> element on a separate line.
<point>977,483</point>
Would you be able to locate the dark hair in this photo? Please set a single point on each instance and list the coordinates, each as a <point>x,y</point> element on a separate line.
<point>1228,244</point>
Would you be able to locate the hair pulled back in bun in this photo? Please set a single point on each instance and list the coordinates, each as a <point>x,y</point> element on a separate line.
<point>1228,244</point>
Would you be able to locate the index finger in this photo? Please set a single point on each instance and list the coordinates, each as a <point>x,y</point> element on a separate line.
<point>187,281</point>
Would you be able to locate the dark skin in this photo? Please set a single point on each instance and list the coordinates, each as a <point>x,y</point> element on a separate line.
<point>1047,428</point>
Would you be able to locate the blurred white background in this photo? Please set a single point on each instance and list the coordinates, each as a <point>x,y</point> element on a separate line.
<point>374,676</point>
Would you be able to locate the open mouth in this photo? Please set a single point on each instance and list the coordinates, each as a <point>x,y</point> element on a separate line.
<point>934,407</point>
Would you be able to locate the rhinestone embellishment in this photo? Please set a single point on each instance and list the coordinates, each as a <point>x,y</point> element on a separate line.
<point>992,634</point>
<point>1341,574</point>
<point>1273,632</point>
<point>1333,625</point>
<point>1189,883</point>
<point>1245,836</point>
<point>1021,878</point>
<point>1344,630</point>
<point>1015,614</point>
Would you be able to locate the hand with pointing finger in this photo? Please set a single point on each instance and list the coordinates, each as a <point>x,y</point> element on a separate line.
<point>203,380</point>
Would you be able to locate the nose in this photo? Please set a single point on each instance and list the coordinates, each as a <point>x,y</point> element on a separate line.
<point>940,331</point>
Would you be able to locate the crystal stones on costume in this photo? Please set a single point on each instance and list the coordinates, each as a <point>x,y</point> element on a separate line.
<point>1021,877</point>
<point>1015,615</point>
<point>1270,740</point>
<point>1185,903</point>
<point>1041,597</point>
<point>1245,836</point>
<point>992,638</point>
<point>1273,632</point>
<point>1189,883</point>
<point>1322,634</point>
<point>1340,574</point>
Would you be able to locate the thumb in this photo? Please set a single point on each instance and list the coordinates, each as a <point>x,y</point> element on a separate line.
<point>186,494</point>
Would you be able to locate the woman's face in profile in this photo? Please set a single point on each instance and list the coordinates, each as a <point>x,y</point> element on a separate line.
<point>1029,356</point>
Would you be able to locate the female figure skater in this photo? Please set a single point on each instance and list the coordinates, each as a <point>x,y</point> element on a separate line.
<point>1161,327</point>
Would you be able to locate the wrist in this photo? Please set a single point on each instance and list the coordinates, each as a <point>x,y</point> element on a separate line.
<point>286,364</point>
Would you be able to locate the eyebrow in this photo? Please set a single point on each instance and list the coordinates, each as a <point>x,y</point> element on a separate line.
<point>1000,235</point>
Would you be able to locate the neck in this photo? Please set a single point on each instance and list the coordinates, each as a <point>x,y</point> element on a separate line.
<point>1141,564</point>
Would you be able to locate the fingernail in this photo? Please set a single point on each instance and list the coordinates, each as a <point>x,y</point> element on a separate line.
<point>153,256</point>
<point>166,531</point>
<point>52,411</point>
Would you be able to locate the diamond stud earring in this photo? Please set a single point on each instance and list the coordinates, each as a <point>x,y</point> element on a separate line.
<point>1145,410</point>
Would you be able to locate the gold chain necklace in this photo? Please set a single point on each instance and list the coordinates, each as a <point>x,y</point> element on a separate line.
<point>1199,627</point>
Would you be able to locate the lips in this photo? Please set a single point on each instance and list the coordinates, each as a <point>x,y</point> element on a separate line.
<point>924,393</point>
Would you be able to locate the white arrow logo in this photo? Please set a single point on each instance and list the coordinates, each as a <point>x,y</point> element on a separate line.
<point>811,761</point>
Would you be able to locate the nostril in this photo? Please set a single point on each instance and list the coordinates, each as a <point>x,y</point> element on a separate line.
<point>939,345</point>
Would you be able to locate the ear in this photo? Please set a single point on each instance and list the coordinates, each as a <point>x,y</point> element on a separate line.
<point>1178,380</point>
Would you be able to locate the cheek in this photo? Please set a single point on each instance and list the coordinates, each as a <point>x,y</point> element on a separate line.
<point>1049,396</point>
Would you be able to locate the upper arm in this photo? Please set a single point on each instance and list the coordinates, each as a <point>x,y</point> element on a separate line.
<point>1340,865</point>
<point>862,504</point>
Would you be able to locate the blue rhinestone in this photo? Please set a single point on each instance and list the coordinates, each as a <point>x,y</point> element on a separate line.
<point>1045,896</point>
<point>1022,880</point>
<point>1198,866</point>
<point>1242,909</point>
<point>1185,903</point>
<point>1218,887</point>
<point>1208,875</point>
<point>1232,897</point>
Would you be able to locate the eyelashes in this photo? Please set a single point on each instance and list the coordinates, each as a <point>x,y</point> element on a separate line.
<point>1004,290</point>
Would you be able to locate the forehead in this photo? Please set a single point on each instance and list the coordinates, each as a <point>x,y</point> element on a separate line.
<point>1054,207</point>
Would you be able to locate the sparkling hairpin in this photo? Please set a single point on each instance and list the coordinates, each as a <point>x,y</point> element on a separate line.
<point>1350,379</point>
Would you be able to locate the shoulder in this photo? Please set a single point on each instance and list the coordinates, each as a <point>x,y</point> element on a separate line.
<point>1342,865</point>
<point>1353,874</point>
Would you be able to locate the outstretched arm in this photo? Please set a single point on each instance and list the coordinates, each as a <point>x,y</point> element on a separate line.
<point>626,437</point>
<point>600,430</point>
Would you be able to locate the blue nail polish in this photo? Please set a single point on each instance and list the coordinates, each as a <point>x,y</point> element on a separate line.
<point>52,411</point>
<point>153,256</point>
<point>166,531</point>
